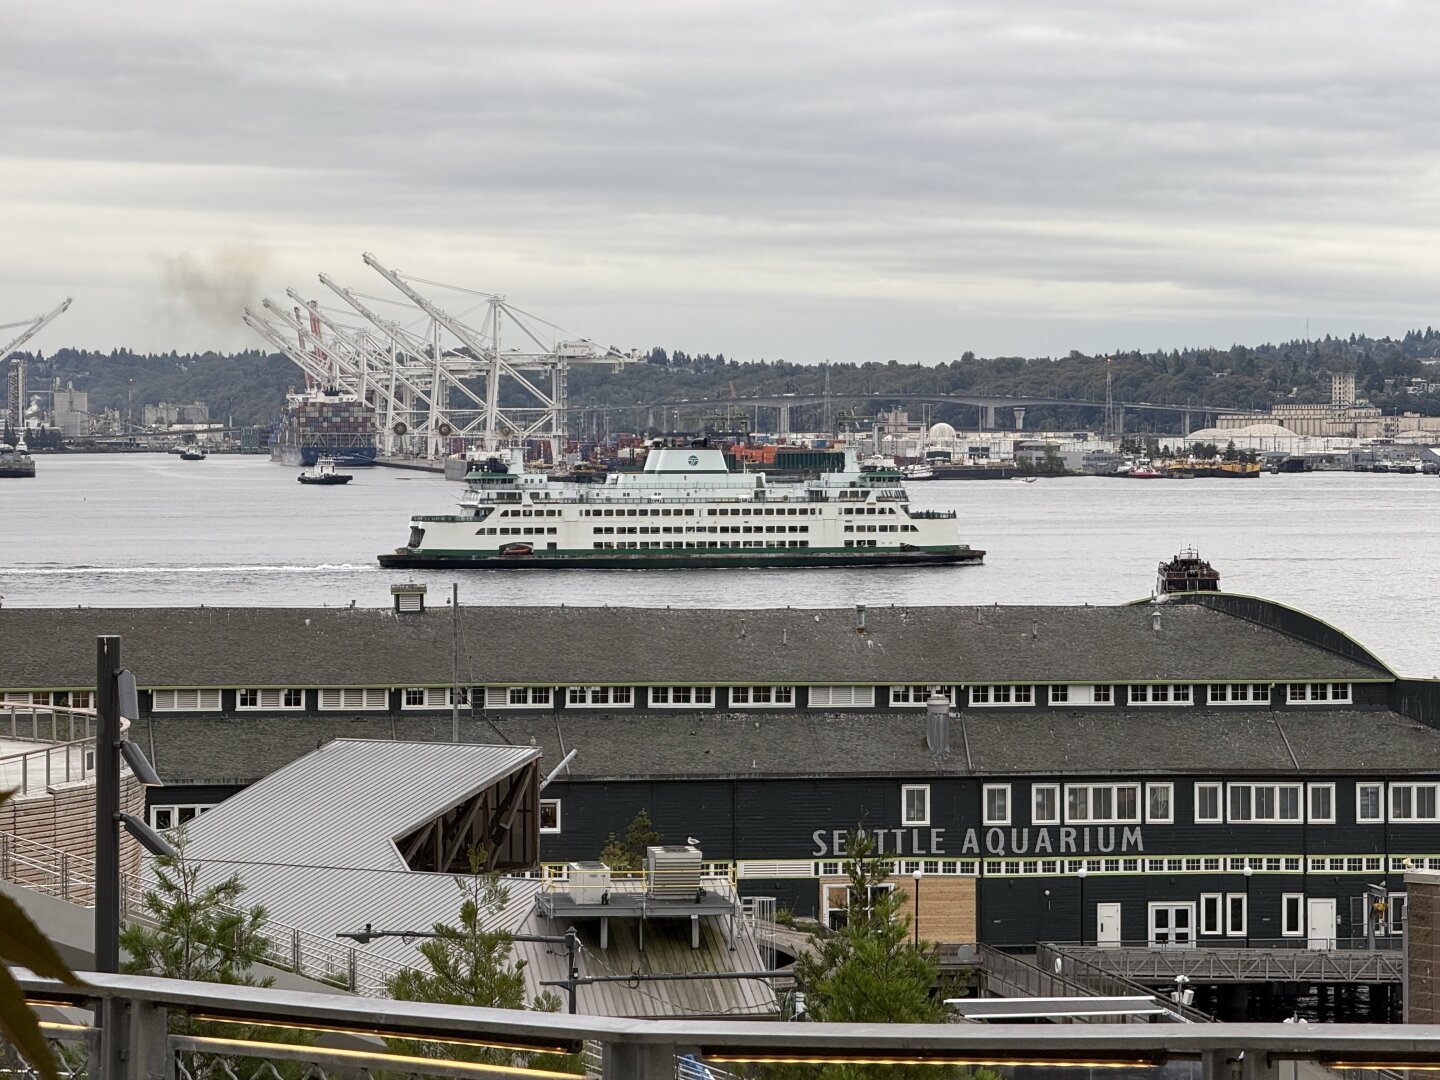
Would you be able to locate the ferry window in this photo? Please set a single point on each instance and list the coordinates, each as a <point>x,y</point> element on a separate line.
<point>915,804</point>
<point>1207,804</point>
<point>1210,905</point>
<point>1322,804</point>
<point>1045,804</point>
<point>1369,802</point>
<point>1292,919</point>
<point>549,816</point>
<point>997,804</point>
<point>1159,804</point>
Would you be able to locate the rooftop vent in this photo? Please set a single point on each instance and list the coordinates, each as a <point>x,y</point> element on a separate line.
<point>674,870</point>
<point>409,598</point>
<point>589,883</point>
<point>859,618</point>
<point>1155,620</point>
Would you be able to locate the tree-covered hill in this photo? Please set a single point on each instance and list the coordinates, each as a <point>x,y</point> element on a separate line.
<point>250,386</point>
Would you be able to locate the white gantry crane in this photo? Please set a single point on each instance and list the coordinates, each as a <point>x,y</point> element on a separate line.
<point>15,373</point>
<point>477,370</point>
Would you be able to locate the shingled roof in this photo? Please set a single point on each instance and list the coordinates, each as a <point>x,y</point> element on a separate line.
<point>233,647</point>
<point>1057,742</point>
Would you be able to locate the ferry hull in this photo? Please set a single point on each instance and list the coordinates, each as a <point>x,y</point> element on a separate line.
<point>678,560</point>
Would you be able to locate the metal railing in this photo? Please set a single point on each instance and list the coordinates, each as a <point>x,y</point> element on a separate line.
<point>67,756</point>
<point>137,1042</point>
<point>1097,979</point>
<point>1264,960</point>
<point>71,877</point>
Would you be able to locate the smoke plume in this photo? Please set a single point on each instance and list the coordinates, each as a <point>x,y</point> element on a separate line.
<point>216,287</point>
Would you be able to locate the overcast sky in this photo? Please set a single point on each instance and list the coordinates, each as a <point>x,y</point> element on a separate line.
<point>849,180</point>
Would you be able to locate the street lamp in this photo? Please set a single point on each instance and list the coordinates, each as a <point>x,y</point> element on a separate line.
<point>1081,875</point>
<point>1247,872</point>
<point>916,875</point>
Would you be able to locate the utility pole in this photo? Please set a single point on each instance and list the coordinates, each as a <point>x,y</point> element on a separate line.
<point>107,802</point>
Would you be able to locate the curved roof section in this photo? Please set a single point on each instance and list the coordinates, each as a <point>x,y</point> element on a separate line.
<point>941,430</point>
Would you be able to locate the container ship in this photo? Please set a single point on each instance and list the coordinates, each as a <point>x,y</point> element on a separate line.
<point>324,423</point>
<point>687,508</point>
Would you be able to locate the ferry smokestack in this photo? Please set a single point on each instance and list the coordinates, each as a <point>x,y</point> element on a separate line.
<point>937,731</point>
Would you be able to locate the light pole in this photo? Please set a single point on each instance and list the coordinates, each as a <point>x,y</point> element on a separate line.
<point>916,875</point>
<point>1247,872</point>
<point>1081,875</point>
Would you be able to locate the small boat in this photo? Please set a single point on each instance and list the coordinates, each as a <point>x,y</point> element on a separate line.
<point>1187,572</point>
<point>191,453</point>
<point>1145,471</point>
<point>517,551</point>
<point>324,472</point>
<point>15,461</point>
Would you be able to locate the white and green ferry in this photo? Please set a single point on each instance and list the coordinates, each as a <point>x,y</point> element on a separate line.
<point>684,509</point>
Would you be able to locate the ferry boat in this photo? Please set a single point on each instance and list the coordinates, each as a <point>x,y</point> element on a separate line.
<point>684,509</point>
<point>1187,572</point>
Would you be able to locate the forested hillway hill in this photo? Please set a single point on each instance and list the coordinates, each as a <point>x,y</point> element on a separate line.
<point>249,387</point>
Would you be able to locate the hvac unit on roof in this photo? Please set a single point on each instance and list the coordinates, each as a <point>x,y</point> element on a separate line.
<point>589,883</point>
<point>673,870</point>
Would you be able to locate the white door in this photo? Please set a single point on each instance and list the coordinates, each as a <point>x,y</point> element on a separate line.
<point>1107,925</point>
<point>1172,924</point>
<point>1320,918</point>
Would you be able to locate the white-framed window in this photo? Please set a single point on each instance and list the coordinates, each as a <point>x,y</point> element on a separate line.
<point>1102,804</point>
<point>354,699</point>
<point>25,697</point>
<point>1239,693</point>
<point>1236,905</point>
<point>1414,802</point>
<point>1209,807</point>
<point>600,697</point>
<point>269,699</point>
<point>1320,804</point>
<point>1292,914</point>
<point>917,695</point>
<point>185,700</point>
<point>842,697</point>
<point>1159,804</point>
<point>1212,909</point>
<point>682,697</point>
<point>1000,694</point>
<point>915,804</point>
<point>432,697</point>
<point>767,697</point>
<point>519,697</point>
<point>1310,693</point>
<point>1160,694</point>
<point>1369,802</point>
<point>1045,804</point>
<point>1264,802</point>
<point>172,815</point>
<point>1080,694</point>
<point>80,699</point>
<point>549,817</point>
<point>996,804</point>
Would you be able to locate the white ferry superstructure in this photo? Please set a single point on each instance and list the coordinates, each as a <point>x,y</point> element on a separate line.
<point>684,509</point>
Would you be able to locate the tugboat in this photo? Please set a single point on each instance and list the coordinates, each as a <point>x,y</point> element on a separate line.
<point>1187,572</point>
<point>192,453</point>
<point>323,472</point>
<point>15,461</point>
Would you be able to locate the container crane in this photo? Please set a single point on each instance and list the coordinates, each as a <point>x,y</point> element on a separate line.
<point>15,377</point>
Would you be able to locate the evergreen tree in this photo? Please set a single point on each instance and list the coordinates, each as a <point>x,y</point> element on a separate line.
<point>195,932</point>
<point>629,853</point>
<point>871,970</point>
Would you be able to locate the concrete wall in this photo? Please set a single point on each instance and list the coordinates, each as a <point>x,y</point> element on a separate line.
<point>1422,947</point>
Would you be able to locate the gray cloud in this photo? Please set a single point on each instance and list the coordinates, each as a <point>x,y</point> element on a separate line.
<point>854,180</point>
